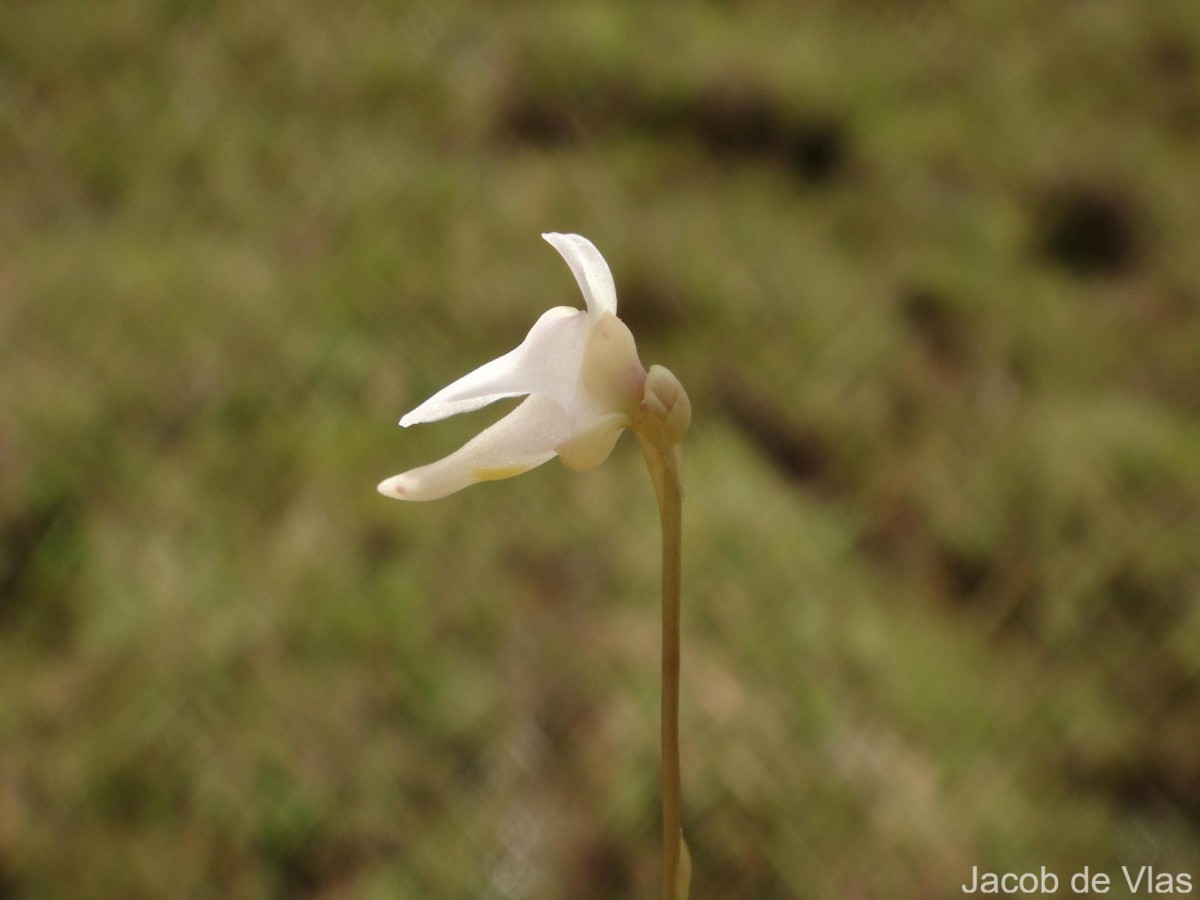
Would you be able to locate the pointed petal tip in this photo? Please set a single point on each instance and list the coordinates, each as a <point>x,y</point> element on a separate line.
<point>393,487</point>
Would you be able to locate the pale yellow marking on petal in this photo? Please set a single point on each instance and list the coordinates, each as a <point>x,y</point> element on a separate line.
<point>499,473</point>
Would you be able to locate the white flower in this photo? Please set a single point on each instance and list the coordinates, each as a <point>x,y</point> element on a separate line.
<point>584,381</point>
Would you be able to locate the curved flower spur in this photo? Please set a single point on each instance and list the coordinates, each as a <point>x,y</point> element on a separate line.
<point>584,382</point>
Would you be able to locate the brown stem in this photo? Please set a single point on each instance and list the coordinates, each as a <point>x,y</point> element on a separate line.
<point>664,470</point>
<point>671,514</point>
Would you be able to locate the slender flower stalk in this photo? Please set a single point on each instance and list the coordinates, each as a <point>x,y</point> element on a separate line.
<point>584,385</point>
<point>660,426</point>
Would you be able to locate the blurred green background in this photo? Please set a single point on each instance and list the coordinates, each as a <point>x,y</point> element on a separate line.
<point>930,274</point>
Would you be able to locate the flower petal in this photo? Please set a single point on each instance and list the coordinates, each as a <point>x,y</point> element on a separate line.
<point>591,445</point>
<point>610,375</point>
<point>547,361</point>
<point>591,271</point>
<point>525,438</point>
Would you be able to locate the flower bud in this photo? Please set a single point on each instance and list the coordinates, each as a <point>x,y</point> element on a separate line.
<point>666,400</point>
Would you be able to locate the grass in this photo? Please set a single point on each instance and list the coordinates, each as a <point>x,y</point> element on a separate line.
<point>928,276</point>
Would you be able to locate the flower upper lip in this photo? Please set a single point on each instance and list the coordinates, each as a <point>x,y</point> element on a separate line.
<point>583,379</point>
